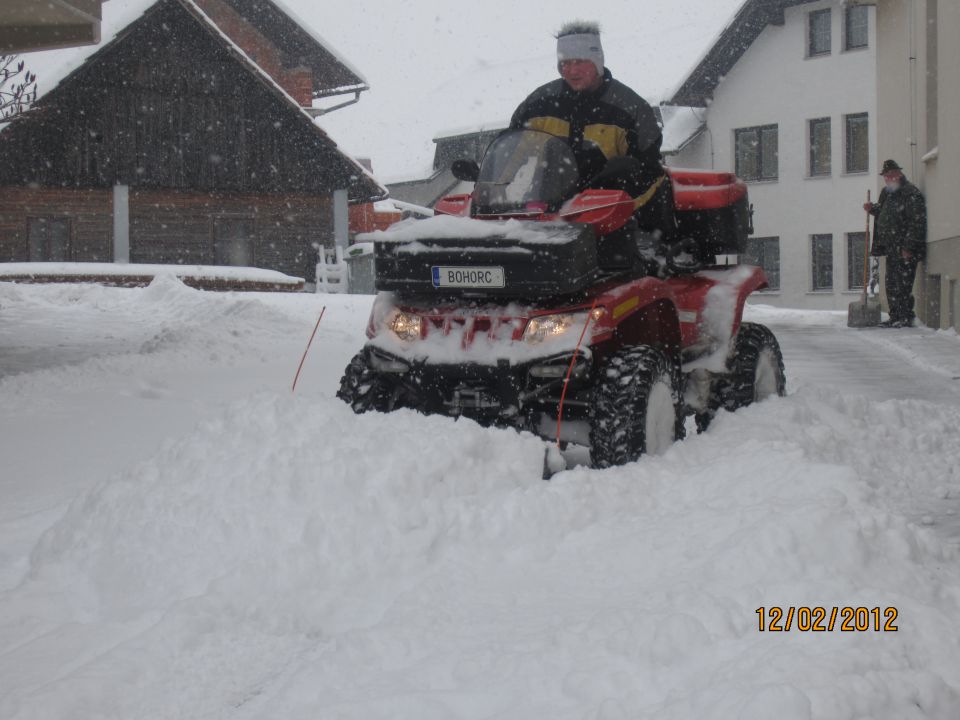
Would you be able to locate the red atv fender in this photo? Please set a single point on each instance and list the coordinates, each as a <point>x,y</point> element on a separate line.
<point>641,311</point>
<point>710,307</point>
<point>694,314</point>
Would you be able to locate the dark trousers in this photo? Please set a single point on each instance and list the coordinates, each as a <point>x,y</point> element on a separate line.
<point>899,279</point>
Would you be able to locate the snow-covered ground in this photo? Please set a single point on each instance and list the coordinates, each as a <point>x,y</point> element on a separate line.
<point>181,536</point>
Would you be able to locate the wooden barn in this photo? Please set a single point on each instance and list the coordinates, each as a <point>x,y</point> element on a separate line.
<point>188,138</point>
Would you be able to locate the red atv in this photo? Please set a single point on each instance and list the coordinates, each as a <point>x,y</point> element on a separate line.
<point>529,304</point>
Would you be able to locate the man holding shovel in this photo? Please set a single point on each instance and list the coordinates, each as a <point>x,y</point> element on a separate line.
<point>900,233</point>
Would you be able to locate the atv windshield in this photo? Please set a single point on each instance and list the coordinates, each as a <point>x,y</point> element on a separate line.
<point>525,171</point>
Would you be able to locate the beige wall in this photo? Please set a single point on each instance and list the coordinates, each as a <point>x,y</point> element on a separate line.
<point>904,109</point>
<point>796,206</point>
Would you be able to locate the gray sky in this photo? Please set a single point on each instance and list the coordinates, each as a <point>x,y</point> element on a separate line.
<point>433,66</point>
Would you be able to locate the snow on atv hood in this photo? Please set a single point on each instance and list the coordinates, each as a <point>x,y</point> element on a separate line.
<point>442,227</point>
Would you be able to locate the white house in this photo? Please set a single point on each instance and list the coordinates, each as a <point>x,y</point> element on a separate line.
<point>789,101</point>
<point>918,54</point>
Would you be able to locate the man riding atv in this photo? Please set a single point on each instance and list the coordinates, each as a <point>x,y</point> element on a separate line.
<point>613,132</point>
<point>531,302</point>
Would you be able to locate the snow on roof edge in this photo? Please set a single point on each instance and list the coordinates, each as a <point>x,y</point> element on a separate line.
<point>680,128</point>
<point>279,89</point>
<point>470,129</point>
<point>83,53</point>
<point>703,56</point>
<point>132,13</point>
<point>284,8</point>
<point>82,269</point>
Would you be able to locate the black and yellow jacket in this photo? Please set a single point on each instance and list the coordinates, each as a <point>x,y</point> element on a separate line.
<point>612,117</point>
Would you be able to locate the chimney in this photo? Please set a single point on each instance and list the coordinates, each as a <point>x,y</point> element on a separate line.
<point>298,81</point>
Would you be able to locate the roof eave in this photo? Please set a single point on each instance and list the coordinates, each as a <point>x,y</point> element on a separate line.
<point>751,19</point>
<point>378,191</point>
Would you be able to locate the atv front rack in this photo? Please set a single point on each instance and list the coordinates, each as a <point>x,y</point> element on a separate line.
<point>530,260</point>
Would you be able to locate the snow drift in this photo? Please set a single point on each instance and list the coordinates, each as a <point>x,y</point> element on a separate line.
<point>283,557</point>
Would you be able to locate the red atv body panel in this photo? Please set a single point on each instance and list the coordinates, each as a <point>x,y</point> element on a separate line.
<point>692,190</point>
<point>705,189</point>
<point>531,307</point>
<point>606,210</point>
<point>665,313</point>
<point>668,312</point>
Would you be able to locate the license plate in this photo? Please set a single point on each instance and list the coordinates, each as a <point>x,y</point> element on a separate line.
<point>468,277</point>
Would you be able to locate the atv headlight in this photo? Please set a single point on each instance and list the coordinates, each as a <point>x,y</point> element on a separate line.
<point>552,326</point>
<point>407,326</point>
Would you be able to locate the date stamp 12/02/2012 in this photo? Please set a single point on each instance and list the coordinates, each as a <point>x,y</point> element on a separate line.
<point>823,619</point>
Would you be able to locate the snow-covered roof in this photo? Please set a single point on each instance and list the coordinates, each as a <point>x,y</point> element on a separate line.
<point>254,67</point>
<point>283,7</point>
<point>55,66</point>
<point>680,126</point>
<point>728,47</point>
<point>462,130</point>
<point>106,270</point>
<point>52,66</point>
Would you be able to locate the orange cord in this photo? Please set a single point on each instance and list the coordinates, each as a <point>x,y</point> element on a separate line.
<point>307,349</point>
<point>573,360</point>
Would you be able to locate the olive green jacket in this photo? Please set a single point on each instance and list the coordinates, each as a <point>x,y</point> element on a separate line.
<point>901,222</point>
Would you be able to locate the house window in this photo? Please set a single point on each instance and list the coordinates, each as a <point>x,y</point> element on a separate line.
<point>48,239</point>
<point>858,143</point>
<point>855,33</point>
<point>819,146</point>
<point>233,241</point>
<point>757,153</point>
<point>856,251</point>
<point>822,262</point>
<point>818,33</point>
<point>764,252</point>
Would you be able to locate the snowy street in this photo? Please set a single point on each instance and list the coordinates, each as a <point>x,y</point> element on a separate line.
<point>183,537</point>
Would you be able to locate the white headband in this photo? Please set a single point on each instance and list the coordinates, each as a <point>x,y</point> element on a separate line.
<point>582,46</point>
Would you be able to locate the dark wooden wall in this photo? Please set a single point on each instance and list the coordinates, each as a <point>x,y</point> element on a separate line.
<point>167,105</point>
<point>90,213</point>
<point>172,227</point>
<point>169,227</point>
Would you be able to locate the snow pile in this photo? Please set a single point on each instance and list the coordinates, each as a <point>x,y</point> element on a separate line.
<point>166,317</point>
<point>275,555</point>
<point>214,272</point>
<point>311,508</point>
<point>224,328</point>
<point>271,565</point>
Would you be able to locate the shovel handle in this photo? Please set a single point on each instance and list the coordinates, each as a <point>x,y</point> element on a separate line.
<point>866,254</point>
